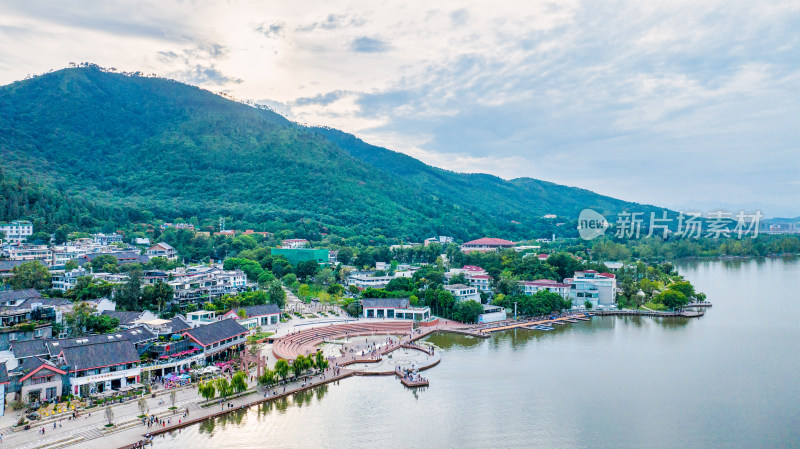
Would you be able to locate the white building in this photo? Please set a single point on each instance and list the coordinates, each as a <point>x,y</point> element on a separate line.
<point>394,308</point>
<point>598,288</point>
<point>22,251</point>
<point>365,280</point>
<point>294,243</point>
<point>463,292</point>
<point>162,249</point>
<point>532,287</point>
<point>107,239</point>
<point>16,231</point>
<point>492,314</point>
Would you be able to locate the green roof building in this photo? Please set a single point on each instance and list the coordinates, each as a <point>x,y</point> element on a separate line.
<point>297,255</point>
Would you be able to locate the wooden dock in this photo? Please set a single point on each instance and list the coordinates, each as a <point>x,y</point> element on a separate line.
<point>529,324</point>
<point>652,313</point>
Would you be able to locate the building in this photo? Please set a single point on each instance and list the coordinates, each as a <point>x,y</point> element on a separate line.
<point>3,388</point>
<point>96,367</point>
<point>368,280</point>
<point>294,243</point>
<point>206,283</point>
<point>297,255</point>
<point>123,257</point>
<point>442,239</point>
<point>201,318</point>
<point>39,380</point>
<point>107,239</point>
<point>532,287</point>
<point>17,231</point>
<point>128,320</point>
<point>218,339</point>
<point>598,288</point>
<point>25,252</point>
<point>486,244</point>
<point>463,292</point>
<point>256,316</point>
<point>492,314</point>
<point>7,267</point>
<point>162,249</point>
<point>394,308</point>
<point>142,241</point>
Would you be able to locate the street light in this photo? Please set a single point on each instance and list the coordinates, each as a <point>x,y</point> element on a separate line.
<point>515,311</point>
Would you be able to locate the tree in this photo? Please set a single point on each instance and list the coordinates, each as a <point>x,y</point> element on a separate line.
<point>129,294</point>
<point>157,295</point>
<point>87,287</point>
<point>110,416</point>
<point>320,361</point>
<point>345,255</point>
<point>306,270</point>
<point>467,311</point>
<point>276,294</point>
<point>672,299</point>
<point>684,287</point>
<point>30,275</point>
<point>268,378</point>
<point>282,368</point>
<point>70,265</point>
<point>61,235</point>
<point>223,387</point>
<point>77,319</point>
<point>459,278</point>
<point>207,390</point>
<point>173,398</point>
<point>299,365</point>
<point>101,324</point>
<point>304,292</point>
<point>239,382</point>
<point>142,403</point>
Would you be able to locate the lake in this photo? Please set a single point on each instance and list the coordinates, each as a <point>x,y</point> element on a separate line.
<point>728,379</point>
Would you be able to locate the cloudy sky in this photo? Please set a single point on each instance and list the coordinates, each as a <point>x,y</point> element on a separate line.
<point>684,104</point>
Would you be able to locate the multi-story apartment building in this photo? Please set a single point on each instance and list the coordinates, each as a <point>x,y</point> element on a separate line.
<point>16,231</point>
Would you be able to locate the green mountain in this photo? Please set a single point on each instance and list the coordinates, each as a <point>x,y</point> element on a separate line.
<point>107,148</point>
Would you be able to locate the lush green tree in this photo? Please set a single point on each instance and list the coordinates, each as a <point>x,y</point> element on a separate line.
<point>306,270</point>
<point>38,238</point>
<point>157,295</point>
<point>223,387</point>
<point>101,324</point>
<point>673,299</point>
<point>70,265</point>
<point>128,295</point>
<point>282,369</point>
<point>467,311</point>
<point>239,382</point>
<point>78,318</point>
<point>62,234</point>
<point>459,278</point>
<point>684,287</point>
<point>30,275</point>
<point>276,294</point>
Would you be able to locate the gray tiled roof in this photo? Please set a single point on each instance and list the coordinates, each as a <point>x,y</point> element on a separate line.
<point>55,302</point>
<point>11,295</point>
<point>135,335</point>
<point>89,356</point>
<point>178,324</point>
<point>125,318</point>
<point>216,331</point>
<point>28,348</point>
<point>260,310</point>
<point>8,265</point>
<point>385,303</point>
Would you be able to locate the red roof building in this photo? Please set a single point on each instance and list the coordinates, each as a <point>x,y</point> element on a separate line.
<point>486,244</point>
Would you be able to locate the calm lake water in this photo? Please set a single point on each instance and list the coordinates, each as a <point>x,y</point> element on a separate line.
<point>729,379</point>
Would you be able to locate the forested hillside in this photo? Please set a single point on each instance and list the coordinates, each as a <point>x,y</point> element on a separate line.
<point>103,147</point>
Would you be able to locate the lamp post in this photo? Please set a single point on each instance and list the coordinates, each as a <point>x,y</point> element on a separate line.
<point>515,311</point>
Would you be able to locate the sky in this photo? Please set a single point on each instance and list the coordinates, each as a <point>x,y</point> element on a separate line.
<point>683,104</point>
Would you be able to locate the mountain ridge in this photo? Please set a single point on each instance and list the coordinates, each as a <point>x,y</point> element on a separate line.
<point>168,150</point>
